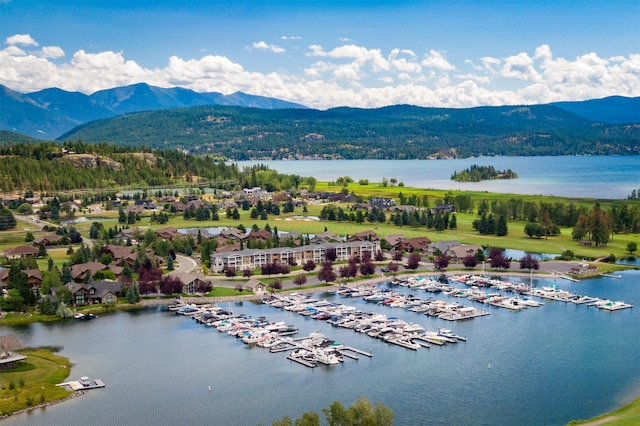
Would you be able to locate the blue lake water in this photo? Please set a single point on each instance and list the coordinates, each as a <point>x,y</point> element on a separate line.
<point>548,365</point>
<point>607,177</point>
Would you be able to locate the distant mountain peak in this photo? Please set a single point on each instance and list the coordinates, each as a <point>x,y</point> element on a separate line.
<point>51,112</point>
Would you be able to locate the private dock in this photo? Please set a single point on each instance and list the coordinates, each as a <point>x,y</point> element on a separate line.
<point>75,385</point>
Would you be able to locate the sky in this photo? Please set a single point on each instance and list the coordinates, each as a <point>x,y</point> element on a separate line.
<point>326,54</point>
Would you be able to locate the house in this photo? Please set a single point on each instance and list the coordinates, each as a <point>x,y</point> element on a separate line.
<point>120,254</point>
<point>177,206</point>
<point>403,208</point>
<point>441,246</point>
<point>145,204</point>
<point>233,234</point>
<point>34,278</point>
<point>47,240</point>
<point>168,233</point>
<point>419,244</point>
<point>104,291</point>
<point>190,283</point>
<point>364,236</point>
<point>393,239</point>
<point>261,235</point>
<point>459,252</point>
<point>81,271</point>
<point>72,206</point>
<point>20,252</point>
<point>227,204</point>
<point>325,237</point>
<point>197,204</point>
<point>135,209</point>
<point>381,202</point>
<point>444,208</point>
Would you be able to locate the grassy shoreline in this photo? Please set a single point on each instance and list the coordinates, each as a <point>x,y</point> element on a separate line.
<point>34,385</point>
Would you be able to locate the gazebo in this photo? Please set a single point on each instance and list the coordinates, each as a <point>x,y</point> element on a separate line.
<point>9,357</point>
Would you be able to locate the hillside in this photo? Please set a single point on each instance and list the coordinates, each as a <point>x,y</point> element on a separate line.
<point>48,166</point>
<point>611,110</point>
<point>397,132</point>
<point>48,113</point>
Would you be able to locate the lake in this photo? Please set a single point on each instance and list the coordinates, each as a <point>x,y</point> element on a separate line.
<point>607,177</point>
<point>548,365</point>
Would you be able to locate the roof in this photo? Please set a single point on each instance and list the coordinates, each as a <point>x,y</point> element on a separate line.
<point>21,251</point>
<point>9,342</point>
<point>101,287</point>
<point>33,273</point>
<point>47,238</point>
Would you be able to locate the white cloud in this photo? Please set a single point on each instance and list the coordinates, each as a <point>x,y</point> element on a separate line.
<point>290,38</point>
<point>520,67</point>
<point>261,45</point>
<point>14,51</point>
<point>345,75</point>
<point>435,60</point>
<point>22,39</point>
<point>52,52</point>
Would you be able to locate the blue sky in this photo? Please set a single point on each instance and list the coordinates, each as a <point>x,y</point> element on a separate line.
<point>330,53</point>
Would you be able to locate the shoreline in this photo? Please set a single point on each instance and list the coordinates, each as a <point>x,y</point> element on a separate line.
<point>76,394</point>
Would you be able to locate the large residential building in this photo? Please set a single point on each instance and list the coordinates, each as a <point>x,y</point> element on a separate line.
<point>256,258</point>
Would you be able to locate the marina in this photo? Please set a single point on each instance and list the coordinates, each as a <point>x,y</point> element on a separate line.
<point>170,354</point>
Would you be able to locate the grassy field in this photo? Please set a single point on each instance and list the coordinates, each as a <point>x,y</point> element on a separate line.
<point>35,383</point>
<point>629,415</point>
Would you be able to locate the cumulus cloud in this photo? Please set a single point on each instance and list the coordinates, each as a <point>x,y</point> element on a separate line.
<point>22,39</point>
<point>435,60</point>
<point>347,74</point>
<point>520,67</point>
<point>52,52</point>
<point>261,45</point>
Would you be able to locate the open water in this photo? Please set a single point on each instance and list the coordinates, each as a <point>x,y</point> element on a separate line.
<point>548,365</point>
<point>607,177</point>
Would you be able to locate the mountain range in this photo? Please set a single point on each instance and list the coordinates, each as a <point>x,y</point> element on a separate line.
<point>49,113</point>
<point>242,126</point>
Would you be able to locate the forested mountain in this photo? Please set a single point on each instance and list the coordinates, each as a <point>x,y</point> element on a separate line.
<point>51,112</point>
<point>611,110</point>
<point>396,132</point>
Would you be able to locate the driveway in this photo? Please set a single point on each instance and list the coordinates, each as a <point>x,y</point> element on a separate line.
<point>185,265</point>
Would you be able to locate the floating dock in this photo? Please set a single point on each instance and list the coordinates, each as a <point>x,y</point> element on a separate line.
<point>75,385</point>
<point>302,361</point>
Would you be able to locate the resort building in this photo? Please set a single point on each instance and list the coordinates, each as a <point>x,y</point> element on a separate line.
<point>256,258</point>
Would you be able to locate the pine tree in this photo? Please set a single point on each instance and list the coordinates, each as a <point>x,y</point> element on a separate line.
<point>501,226</point>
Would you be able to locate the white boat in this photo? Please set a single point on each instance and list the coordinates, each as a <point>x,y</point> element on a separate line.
<point>84,381</point>
<point>327,356</point>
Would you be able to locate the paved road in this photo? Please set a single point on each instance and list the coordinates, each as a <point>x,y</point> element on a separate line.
<point>185,265</point>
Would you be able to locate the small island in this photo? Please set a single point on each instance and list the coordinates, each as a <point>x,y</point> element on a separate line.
<point>477,173</point>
